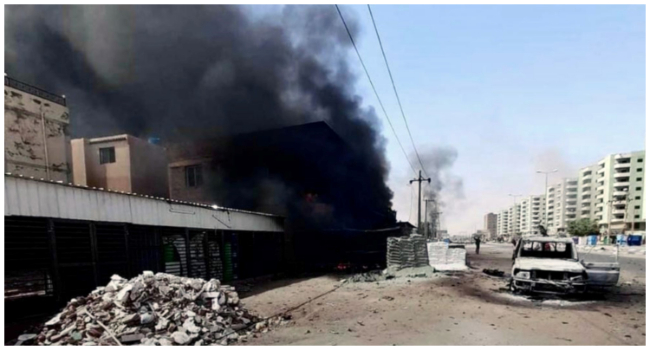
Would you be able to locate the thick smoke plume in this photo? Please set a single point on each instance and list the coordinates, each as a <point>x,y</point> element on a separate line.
<point>446,189</point>
<point>188,72</point>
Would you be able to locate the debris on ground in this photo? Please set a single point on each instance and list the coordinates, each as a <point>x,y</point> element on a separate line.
<point>160,309</point>
<point>371,276</point>
<point>494,272</point>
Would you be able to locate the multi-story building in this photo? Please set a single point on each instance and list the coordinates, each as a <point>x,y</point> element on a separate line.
<point>531,214</point>
<point>561,204</point>
<point>514,219</point>
<point>503,223</point>
<point>121,163</point>
<point>610,192</point>
<point>619,202</point>
<point>490,225</point>
<point>37,143</point>
<point>587,184</point>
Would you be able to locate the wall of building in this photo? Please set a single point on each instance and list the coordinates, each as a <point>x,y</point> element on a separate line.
<point>115,176</point>
<point>139,166</point>
<point>178,188</point>
<point>148,168</point>
<point>587,192</point>
<point>620,198</point>
<point>36,137</point>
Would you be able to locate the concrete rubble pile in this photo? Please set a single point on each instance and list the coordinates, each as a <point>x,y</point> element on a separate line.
<point>406,252</point>
<point>160,309</point>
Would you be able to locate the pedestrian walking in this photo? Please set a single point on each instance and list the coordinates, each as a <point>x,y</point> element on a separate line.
<point>477,240</point>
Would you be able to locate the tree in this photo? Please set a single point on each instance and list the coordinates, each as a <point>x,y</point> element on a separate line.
<point>583,227</point>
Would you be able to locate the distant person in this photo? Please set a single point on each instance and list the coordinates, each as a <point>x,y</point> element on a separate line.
<point>477,241</point>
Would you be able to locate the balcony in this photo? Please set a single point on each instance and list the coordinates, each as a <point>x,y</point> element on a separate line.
<point>619,193</point>
<point>616,220</point>
<point>618,166</point>
<point>620,174</point>
<point>616,211</point>
<point>621,185</point>
<point>586,200</point>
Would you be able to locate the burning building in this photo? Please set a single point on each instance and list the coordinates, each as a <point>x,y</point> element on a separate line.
<point>307,173</point>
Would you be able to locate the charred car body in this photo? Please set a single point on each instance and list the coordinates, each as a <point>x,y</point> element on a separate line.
<point>551,265</point>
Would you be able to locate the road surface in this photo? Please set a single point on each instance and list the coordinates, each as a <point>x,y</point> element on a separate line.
<point>450,309</point>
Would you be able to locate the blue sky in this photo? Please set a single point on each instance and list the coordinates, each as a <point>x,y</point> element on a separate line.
<point>511,88</point>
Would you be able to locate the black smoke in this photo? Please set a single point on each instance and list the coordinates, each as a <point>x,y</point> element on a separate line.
<point>446,189</point>
<point>192,72</point>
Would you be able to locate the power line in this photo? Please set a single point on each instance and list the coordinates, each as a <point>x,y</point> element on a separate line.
<point>395,89</point>
<point>373,87</point>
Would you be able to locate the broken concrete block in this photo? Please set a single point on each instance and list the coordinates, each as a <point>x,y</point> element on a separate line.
<point>131,338</point>
<point>180,338</point>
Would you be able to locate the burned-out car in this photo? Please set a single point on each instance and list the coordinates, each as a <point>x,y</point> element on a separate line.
<point>551,265</point>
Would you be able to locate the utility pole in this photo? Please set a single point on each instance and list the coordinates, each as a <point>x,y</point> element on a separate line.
<point>426,212</point>
<point>419,181</point>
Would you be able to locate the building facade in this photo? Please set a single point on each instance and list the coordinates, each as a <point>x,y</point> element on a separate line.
<point>490,225</point>
<point>37,142</point>
<point>620,203</point>
<point>561,204</point>
<point>120,163</point>
<point>609,192</point>
<point>514,222</point>
<point>587,192</point>
<point>503,223</point>
<point>532,214</point>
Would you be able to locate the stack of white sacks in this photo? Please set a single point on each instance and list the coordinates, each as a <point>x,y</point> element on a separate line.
<point>442,258</point>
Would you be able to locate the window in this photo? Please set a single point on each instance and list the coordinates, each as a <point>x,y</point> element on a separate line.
<point>637,207</point>
<point>193,176</point>
<point>639,179</point>
<point>639,169</point>
<point>639,160</point>
<point>638,188</point>
<point>637,197</point>
<point>636,216</point>
<point>107,155</point>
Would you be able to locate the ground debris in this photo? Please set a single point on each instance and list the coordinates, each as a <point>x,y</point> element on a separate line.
<point>154,309</point>
<point>494,272</point>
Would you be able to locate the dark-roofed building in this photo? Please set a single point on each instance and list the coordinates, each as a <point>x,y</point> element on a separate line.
<point>306,172</point>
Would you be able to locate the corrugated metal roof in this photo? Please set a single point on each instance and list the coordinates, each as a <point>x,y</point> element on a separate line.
<point>28,196</point>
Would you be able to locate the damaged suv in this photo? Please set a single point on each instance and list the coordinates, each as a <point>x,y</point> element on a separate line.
<point>550,265</point>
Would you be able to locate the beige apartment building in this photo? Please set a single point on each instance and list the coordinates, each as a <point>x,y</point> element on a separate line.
<point>620,201</point>
<point>37,142</point>
<point>561,204</point>
<point>531,214</point>
<point>587,185</point>
<point>121,163</point>
<point>610,192</point>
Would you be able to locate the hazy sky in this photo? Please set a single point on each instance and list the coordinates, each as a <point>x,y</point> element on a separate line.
<point>511,88</point>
